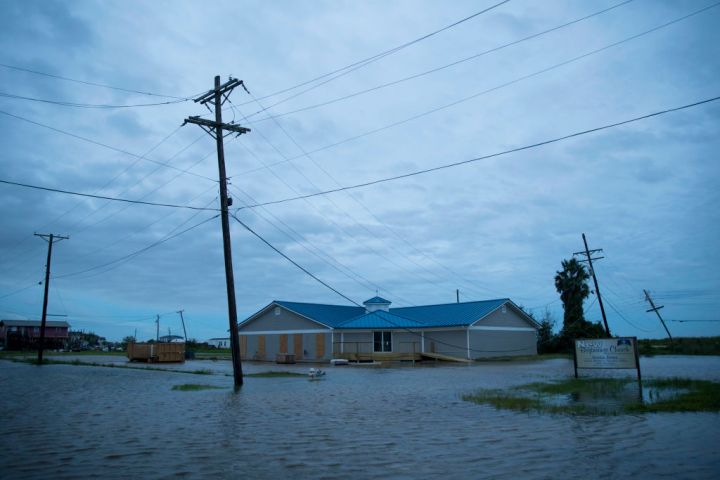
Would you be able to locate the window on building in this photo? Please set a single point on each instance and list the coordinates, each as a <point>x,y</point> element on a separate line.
<point>277,311</point>
<point>382,341</point>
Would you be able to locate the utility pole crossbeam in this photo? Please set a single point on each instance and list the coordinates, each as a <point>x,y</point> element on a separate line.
<point>589,258</point>
<point>215,129</point>
<point>50,238</point>
<point>656,310</point>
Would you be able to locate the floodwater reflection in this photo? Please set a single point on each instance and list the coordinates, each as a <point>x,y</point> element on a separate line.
<point>63,421</point>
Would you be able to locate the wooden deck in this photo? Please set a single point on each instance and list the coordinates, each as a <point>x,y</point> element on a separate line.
<point>379,356</point>
<point>445,358</point>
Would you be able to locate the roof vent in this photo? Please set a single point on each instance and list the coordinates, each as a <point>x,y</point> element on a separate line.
<point>377,303</point>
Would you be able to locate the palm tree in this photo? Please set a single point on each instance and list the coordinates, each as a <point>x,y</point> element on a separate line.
<point>571,284</point>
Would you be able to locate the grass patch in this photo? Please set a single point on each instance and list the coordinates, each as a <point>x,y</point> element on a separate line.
<point>194,387</point>
<point>698,396</point>
<point>680,346</point>
<point>605,396</point>
<point>275,374</point>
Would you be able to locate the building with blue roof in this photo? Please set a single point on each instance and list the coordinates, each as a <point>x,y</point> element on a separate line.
<point>316,332</point>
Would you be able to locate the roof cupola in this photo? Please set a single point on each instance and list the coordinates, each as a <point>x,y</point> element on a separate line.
<point>377,303</point>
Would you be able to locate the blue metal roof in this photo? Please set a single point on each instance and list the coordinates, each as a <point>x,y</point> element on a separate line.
<point>427,316</point>
<point>450,314</point>
<point>330,315</point>
<point>377,301</point>
<point>379,320</point>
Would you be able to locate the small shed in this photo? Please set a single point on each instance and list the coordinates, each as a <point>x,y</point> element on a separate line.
<point>156,352</point>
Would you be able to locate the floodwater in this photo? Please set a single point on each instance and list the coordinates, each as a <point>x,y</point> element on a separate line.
<point>65,421</point>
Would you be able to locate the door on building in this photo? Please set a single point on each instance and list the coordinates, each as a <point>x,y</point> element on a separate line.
<point>319,345</point>
<point>298,345</point>
<point>261,346</point>
<point>382,341</point>
<point>283,343</point>
<point>243,346</point>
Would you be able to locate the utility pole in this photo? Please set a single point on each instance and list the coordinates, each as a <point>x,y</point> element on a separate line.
<point>215,129</point>
<point>183,323</point>
<point>588,254</point>
<point>157,328</point>
<point>657,312</point>
<point>50,238</point>
<point>457,295</point>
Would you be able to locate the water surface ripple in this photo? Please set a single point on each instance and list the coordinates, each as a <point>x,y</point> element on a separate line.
<point>71,422</point>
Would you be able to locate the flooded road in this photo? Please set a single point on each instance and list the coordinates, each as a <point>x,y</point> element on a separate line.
<point>64,421</point>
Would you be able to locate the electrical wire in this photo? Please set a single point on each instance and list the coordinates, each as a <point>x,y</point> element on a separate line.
<point>683,321</point>
<point>86,105</point>
<point>104,145</point>
<point>20,257</point>
<point>103,197</point>
<point>20,290</point>
<point>436,69</point>
<point>366,61</point>
<point>334,204</point>
<point>498,87</point>
<point>279,252</point>
<point>94,84</point>
<point>485,157</point>
<point>137,252</point>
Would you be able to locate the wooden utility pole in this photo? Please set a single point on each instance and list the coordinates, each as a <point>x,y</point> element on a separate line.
<point>216,130</point>
<point>657,312</point>
<point>588,254</point>
<point>183,323</point>
<point>157,328</point>
<point>50,238</point>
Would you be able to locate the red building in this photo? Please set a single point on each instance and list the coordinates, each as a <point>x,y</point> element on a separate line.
<point>19,334</point>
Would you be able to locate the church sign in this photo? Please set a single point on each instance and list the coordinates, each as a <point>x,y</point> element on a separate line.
<point>607,353</point>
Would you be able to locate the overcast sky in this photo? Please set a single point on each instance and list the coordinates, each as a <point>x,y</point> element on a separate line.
<point>646,192</point>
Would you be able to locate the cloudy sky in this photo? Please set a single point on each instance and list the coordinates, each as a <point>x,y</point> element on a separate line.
<point>522,73</point>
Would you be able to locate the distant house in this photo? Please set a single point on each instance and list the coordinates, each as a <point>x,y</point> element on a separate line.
<point>219,342</point>
<point>18,334</point>
<point>317,332</point>
<point>171,339</point>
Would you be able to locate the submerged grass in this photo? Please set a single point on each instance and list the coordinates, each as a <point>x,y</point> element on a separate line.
<point>604,396</point>
<point>194,387</point>
<point>200,371</point>
<point>77,362</point>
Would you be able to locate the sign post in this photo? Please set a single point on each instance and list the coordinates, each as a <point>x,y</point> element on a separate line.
<point>607,353</point>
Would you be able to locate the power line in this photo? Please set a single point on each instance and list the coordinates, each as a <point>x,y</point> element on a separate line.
<point>683,321</point>
<point>625,319</point>
<point>103,197</point>
<point>105,246</point>
<point>498,87</point>
<point>366,61</point>
<point>94,84</point>
<point>440,68</point>
<point>344,211</point>
<point>126,169</point>
<point>485,157</point>
<point>14,292</point>
<point>104,145</point>
<point>86,105</point>
<point>137,252</point>
<point>293,261</point>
